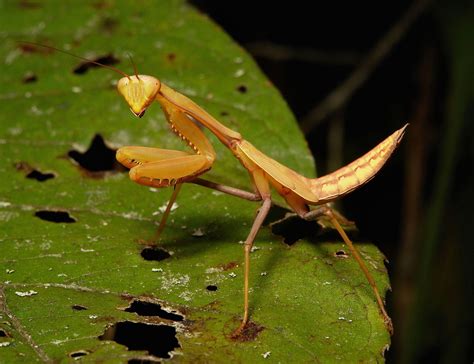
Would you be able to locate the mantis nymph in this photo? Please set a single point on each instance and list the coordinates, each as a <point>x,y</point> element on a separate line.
<point>171,168</point>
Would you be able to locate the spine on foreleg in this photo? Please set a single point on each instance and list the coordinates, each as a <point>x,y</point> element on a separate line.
<point>357,173</point>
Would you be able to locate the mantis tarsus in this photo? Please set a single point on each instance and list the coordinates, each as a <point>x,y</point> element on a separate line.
<point>162,168</point>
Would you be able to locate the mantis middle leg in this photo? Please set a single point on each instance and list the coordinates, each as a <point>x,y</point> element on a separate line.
<point>202,182</point>
<point>164,218</point>
<point>263,188</point>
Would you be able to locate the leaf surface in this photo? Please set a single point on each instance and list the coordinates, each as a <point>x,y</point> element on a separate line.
<point>73,240</point>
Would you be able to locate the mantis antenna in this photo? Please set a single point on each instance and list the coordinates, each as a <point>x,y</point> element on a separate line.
<point>134,65</point>
<point>83,58</point>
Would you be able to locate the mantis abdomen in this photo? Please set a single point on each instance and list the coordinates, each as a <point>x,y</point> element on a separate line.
<point>357,173</point>
<point>316,191</point>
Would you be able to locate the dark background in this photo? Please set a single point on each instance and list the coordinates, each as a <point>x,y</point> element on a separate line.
<point>417,210</point>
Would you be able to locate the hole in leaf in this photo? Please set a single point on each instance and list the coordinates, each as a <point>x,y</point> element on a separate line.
<point>143,308</point>
<point>294,228</point>
<point>55,216</point>
<point>341,254</point>
<point>78,353</point>
<point>29,78</point>
<point>39,176</point>
<point>98,158</point>
<point>158,340</point>
<point>142,361</point>
<point>211,288</point>
<point>224,113</point>
<point>33,173</point>
<point>171,57</point>
<point>157,254</point>
<point>276,213</point>
<point>107,60</point>
<point>3,333</point>
<point>79,307</point>
<point>242,89</point>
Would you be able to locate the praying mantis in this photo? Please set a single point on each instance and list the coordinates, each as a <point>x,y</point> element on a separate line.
<point>163,168</point>
<point>156,167</point>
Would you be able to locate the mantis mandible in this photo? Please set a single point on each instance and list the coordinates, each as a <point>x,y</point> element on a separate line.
<point>171,168</point>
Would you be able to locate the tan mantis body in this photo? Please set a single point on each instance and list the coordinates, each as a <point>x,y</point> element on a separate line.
<point>161,168</point>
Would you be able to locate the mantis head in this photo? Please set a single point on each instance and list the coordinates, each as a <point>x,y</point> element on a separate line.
<point>139,91</point>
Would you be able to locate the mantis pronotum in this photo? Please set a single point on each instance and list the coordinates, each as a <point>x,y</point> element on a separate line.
<point>163,168</point>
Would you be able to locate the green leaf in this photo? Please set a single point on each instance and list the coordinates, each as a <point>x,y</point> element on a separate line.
<point>65,282</point>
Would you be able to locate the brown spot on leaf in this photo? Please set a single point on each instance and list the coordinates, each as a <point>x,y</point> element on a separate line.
<point>249,333</point>
<point>29,78</point>
<point>28,4</point>
<point>102,4</point>
<point>23,167</point>
<point>228,266</point>
<point>34,49</point>
<point>109,25</point>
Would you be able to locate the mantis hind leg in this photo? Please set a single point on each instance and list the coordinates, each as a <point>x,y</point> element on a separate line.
<point>325,210</point>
